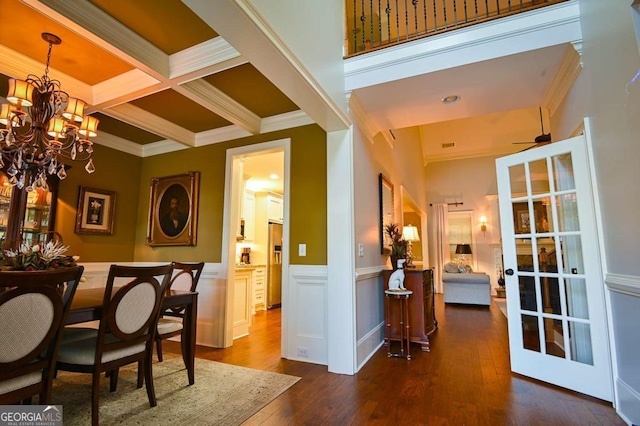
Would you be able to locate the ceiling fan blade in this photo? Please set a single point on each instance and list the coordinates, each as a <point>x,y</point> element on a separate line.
<point>518,143</point>
<point>537,145</point>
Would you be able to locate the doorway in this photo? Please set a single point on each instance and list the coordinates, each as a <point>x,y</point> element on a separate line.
<point>256,198</point>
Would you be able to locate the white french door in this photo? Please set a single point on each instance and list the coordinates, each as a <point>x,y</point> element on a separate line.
<point>554,283</point>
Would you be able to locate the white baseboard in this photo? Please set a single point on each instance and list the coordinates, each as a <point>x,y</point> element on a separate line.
<point>628,403</point>
<point>369,344</point>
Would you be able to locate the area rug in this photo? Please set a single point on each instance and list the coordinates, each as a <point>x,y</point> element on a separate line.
<point>223,394</point>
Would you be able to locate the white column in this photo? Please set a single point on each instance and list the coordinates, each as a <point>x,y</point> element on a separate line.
<point>341,306</point>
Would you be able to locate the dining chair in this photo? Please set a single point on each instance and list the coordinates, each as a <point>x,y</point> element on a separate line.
<point>129,314</point>
<point>171,322</point>
<point>33,308</point>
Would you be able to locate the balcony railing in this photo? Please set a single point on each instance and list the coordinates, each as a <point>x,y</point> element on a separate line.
<point>375,24</point>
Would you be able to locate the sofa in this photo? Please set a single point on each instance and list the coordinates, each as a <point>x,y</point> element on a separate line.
<point>467,287</point>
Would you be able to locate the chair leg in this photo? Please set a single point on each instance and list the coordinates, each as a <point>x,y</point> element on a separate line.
<point>148,377</point>
<point>95,398</point>
<point>140,374</point>
<point>113,379</point>
<point>159,349</point>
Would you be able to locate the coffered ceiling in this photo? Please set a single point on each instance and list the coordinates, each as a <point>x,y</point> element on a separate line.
<point>150,74</point>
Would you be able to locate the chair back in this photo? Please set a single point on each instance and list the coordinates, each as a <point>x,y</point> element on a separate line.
<point>33,308</point>
<point>130,312</point>
<point>185,277</point>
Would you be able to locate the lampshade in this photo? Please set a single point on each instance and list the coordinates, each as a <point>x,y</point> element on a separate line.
<point>463,249</point>
<point>410,233</point>
<point>89,126</point>
<point>74,110</point>
<point>20,92</point>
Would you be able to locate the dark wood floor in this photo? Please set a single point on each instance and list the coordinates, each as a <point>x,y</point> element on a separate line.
<point>464,380</point>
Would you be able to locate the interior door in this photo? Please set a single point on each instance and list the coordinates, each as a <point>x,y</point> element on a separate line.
<point>554,283</point>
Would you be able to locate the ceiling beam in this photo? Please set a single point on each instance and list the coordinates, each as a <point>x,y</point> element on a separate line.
<point>217,101</point>
<point>151,123</point>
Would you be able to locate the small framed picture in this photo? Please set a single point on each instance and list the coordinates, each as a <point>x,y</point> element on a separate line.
<point>173,210</point>
<point>96,208</point>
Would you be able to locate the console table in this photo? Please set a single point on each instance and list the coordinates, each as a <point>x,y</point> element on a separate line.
<point>422,318</point>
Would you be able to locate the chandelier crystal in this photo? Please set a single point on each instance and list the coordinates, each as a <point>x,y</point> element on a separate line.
<point>43,126</point>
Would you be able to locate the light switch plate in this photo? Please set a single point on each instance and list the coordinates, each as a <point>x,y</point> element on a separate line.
<point>360,250</point>
<point>302,249</point>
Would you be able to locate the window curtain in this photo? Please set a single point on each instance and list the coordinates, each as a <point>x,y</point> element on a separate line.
<point>441,242</point>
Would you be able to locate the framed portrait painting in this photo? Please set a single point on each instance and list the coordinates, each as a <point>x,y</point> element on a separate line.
<point>173,210</point>
<point>95,214</point>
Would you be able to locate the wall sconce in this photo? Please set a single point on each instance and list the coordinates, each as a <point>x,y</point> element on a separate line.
<point>483,224</point>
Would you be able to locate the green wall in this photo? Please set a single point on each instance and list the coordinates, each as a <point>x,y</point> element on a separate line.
<point>115,171</point>
<point>308,196</point>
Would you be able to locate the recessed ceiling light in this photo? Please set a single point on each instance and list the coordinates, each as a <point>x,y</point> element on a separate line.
<point>451,99</point>
<point>273,176</point>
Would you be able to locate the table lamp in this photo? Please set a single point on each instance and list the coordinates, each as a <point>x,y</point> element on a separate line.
<point>463,250</point>
<point>410,234</point>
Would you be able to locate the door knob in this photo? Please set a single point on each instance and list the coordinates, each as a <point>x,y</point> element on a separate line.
<point>509,271</point>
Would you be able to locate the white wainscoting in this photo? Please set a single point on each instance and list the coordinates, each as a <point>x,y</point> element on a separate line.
<point>625,301</point>
<point>367,291</point>
<point>306,323</point>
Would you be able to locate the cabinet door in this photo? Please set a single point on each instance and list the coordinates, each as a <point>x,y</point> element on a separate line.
<point>258,289</point>
<point>241,303</point>
<point>275,209</point>
<point>249,216</point>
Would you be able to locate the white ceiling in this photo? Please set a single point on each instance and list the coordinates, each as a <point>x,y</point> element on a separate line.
<point>259,167</point>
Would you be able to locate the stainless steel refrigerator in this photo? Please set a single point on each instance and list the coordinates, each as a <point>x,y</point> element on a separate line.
<point>274,266</point>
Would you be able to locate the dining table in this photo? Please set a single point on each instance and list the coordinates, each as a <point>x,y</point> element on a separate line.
<point>87,306</point>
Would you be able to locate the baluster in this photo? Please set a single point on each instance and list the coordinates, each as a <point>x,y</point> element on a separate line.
<point>435,17</point>
<point>380,22</point>
<point>371,35</point>
<point>466,17</point>
<point>444,9</point>
<point>397,22</point>
<point>415,15</point>
<point>388,12</point>
<point>363,19</point>
<point>498,7</point>
<point>455,14</point>
<point>426,28</point>
<point>486,5</point>
<point>475,5</point>
<point>406,20</point>
<point>355,27</point>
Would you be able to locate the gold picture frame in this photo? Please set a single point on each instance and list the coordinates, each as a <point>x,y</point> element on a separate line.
<point>173,210</point>
<point>96,211</point>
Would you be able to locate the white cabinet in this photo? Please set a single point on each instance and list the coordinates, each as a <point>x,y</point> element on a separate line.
<point>249,215</point>
<point>259,281</point>
<point>275,209</point>
<point>241,303</point>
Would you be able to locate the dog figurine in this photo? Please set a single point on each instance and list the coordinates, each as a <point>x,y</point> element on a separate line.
<point>396,280</point>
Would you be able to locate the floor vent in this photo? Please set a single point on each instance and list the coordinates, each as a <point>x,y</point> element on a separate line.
<point>449,145</point>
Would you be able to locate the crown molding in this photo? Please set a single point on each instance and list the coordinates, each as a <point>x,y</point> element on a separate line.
<point>161,147</point>
<point>117,143</point>
<point>567,73</point>
<point>222,134</point>
<point>287,120</point>
<point>488,152</point>
<point>203,55</point>
<point>122,86</point>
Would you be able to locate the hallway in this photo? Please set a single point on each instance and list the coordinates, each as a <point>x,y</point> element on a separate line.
<point>464,380</point>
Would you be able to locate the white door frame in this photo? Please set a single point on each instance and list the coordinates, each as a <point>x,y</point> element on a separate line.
<point>231,205</point>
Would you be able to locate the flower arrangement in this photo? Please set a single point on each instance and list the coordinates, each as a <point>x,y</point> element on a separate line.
<point>37,257</point>
<point>398,244</point>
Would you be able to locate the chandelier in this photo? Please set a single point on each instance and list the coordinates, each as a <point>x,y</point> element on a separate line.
<point>43,126</point>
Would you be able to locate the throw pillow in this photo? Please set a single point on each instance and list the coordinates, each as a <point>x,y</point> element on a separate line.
<point>451,267</point>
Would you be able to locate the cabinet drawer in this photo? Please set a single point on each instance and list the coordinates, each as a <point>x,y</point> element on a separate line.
<point>259,272</point>
<point>259,297</point>
<point>258,283</point>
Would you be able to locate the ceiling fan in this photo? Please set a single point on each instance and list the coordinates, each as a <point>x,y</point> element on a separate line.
<point>540,140</point>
